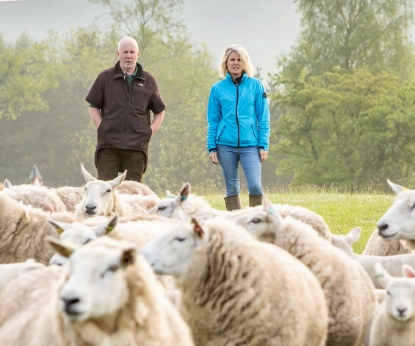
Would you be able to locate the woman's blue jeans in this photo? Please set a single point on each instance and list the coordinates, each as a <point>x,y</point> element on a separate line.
<point>229,158</point>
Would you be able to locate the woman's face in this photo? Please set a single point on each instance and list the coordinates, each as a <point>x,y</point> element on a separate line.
<point>234,65</point>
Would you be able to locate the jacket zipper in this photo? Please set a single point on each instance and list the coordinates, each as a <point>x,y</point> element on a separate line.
<point>236,110</point>
<point>125,115</point>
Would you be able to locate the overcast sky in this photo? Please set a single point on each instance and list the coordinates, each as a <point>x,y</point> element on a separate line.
<point>266,28</point>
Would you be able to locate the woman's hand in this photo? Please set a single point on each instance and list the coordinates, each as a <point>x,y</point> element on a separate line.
<point>213,156</point>
<point>263,155</point>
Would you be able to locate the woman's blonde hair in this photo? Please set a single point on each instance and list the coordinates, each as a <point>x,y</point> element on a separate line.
<point>243,54</point>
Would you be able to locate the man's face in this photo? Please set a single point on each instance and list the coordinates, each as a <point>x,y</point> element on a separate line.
<point>128,55</point>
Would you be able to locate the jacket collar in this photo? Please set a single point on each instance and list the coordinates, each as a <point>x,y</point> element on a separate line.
<point>229,77</point>
<point>120,74</point>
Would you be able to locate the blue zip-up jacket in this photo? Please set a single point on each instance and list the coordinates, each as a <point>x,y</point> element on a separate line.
<point>238,115</point>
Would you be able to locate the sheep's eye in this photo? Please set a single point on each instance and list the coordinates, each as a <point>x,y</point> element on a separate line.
<point>108,191</point>
<point>388,293</point>
<point>180,239</point>
<point>161,208</point>
<point>87,241</point>
<point>113,268</point>
<point>413,206</point>
<point>256,220</point>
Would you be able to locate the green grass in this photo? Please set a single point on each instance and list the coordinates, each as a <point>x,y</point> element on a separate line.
<point>341,211</point>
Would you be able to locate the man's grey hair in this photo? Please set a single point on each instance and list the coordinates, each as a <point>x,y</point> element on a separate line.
<point>128,38</point>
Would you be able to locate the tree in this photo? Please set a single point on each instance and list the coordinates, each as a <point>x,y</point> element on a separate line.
<point>347,128</point>
<point>147,21</point>
<point>353,34</point>
<point>24,76</point>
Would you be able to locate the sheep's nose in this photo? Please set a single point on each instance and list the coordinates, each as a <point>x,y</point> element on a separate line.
<point>401,312</point>
<point>69,304</point>
<point>382,226</point>
<point>90,209</point>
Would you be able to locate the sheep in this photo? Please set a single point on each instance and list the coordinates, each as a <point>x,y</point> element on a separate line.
<point>140,204</point>
<point>238,291</point>
<point>378,246</point>
<point>100,198</point>
<point>107,295</point>
<point>23,230</point>
<point>349,292</point>
<point>393,322</point>
<point>398,222</point>
<point>185,205</point>
<point>70,196</point>
<point>136,232</point>
<point>37,196</point>
<point>131,187</point>
<point>11,271</point>
<point>393,264</point>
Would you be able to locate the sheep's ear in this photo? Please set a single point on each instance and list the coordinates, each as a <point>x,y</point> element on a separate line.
<point>59,227</point>
<point>382,275</point>
<point>7,184</point>
<point>353,236</point>
<point>118,180</point>
<point>197,227</point>
<point>87,176</point>
<point>408,271</point>
<point>184,192</point>
<point>128,256</point>
<point>106,227</point>
<point>169,194</point>
<point>274,218</point>
<point>62,248</point>
<point>395,187</point>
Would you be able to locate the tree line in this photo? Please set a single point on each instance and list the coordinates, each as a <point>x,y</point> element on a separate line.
<point>342,101</point>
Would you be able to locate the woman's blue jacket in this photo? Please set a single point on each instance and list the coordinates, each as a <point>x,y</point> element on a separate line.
<point>238,115</point>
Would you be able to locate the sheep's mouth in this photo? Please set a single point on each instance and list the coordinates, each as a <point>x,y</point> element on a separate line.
<point>387,236</point>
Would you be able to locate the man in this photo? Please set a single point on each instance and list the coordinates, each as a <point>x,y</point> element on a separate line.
<point>120,100</point>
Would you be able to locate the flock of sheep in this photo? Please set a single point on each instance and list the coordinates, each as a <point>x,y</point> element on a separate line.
<point>110,263</point>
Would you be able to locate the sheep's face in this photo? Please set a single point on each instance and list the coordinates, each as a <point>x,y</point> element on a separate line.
<point>400,299</point>
<point>399,220</point>
<point>171,253</point>
<point>165,207</point>
<point>95,287</point>
<point>259,225</point>
<point>99,198</point>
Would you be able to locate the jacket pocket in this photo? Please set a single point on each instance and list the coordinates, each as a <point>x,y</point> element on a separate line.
<point>220,133</point>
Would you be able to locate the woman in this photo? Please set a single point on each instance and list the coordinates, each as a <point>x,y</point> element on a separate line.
<point>238,125</point>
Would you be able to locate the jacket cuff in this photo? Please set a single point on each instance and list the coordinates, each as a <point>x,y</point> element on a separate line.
<point>213,150</point>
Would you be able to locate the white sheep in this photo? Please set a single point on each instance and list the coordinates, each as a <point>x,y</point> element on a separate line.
<point>101,198</point>
<point>23,230</point>
<point>70,195</point>
<point>238,291</point>
<point>107,295</point>
<point>36,196</point>
<point>349,292</point>
<point>185,205</point>
<point>378,246</point>
<point>398,222</point>
<point>393,264</point>
<point>131,187</point>
<point>393,322</point>
<point>11,271</point>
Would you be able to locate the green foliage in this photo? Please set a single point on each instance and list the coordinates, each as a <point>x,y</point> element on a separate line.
<point>346,128</point>
<point>353,34</point>
<point>25,74</point>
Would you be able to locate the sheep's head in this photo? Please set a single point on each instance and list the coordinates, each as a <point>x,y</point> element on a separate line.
<point>398,222</point>
<point>168,206</point>
<point>400,298</point>
<point>96,286</point>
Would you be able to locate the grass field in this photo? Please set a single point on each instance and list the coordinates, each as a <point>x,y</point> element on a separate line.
<point>341,211</point>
